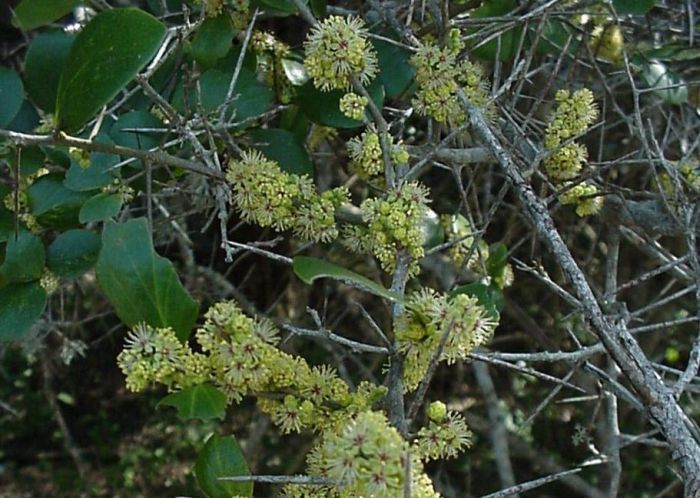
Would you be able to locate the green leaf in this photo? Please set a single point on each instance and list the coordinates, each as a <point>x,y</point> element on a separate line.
<point>489,296</point>
<point>42,67</point>
<point>100,173</point>
<point>497,260</point>
<point>212,40</point>
<point>20,306</point>
<point>128,130</point>
<point>7,217</point>
<point>31,14</point>
<point>319,8</point>
<point>73,253</point>
<point>106,55</point>
<point>509,40</point>
<point>24,258</point>
<point>634,7</point>
<point>396,72</point>
<point>222,457</point>
<point>11,95</point>
<point>53,204</point>
<point>309,269</point>
<point>26,120</point>
<point>142,286</point>
<point>253,99</point>
<point>282,146</point>
<point>104,206</point>
<point>203,401</point>
<point>323,107</point>
<point>274,7</point>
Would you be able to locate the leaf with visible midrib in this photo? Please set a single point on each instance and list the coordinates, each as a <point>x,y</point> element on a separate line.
<point>142,286</point>
<point>202,401</point>
<point>105,56</point>
<point>222,457</point>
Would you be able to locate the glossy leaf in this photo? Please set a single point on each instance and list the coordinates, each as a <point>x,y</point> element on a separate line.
<point>295,72</point>
<point>20,306</point>
<point>106,55</point>
<point>309,269</point>
<point>142,286</point>
<point>202,401</point>
<point>634,7</point>
<point>53,204</point>
<point>222,457</point>
<point>667,84</point>
<point>212,40</point>
<point>42,67</point>
<point>11,95</point>
<point>396,72</point>
<point>282,146</point>
<point>73,253</point>
<point>31,14</point>
<point>103,206</point>
<point>99,173</point>
<point>130,130</point>
<point>24,258</point>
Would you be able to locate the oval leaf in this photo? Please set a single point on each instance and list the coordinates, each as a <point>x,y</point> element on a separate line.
<point>24,258</point>
<point>73,253</point>
<point>106,55</point>
<point>222,457</point>
<point>103,206</point>
<point>634,7</point>
<point>142,286</point>
<point>42,67</point>
<point>11,95</point>
<point>309,269</point>
<point>282,146</point>
<point>213,40</point>
<point>20,306</point>
<point>31,14</point>
<point>396,71</point>
<point>53,204</point>
<point>203,401</point>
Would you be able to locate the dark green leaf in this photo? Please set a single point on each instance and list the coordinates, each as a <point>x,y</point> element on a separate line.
<point>497,260</point>
<point>212,40</point>
<point>282,146</point>
<point>26,119</point>
<point>129,131</point>
<point>31,14</point>
<point>142,286</point>
<point>42,67</point>
<point>309,269</point>
<point>323,107</point>
<point>274,7</point>
<point>11,95</point>
<point>222,457</point>
<point>106,55</point>
<point>53,204</point>
<point>7,217</point>
<point>293,119</point>
<point>634,7</point>
<point>20,306</point>
<point>24,258</point>
<point>104,206</point>
<point>73,253</point>
<point>203,401</point>
<point>253,99</point>
<point>396,71</point>
<point>31,160</point>
<point>100,173</point>
<point>505,45</point>
<point>489,296</point>
<point>319,8</point>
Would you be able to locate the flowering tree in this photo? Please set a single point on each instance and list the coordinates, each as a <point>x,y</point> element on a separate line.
<point>394,165</point>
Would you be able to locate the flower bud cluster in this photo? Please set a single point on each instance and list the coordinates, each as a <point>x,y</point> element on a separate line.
<point>393,224</point>
<point>607,42</point>
<point>439,76</point>
<point>426,318</point>
<point>584,197</point>
<point>336,49</point>
<point>366,154</point>
<point>353,106</point>
<point>269,197</point>
<point>445,436</point>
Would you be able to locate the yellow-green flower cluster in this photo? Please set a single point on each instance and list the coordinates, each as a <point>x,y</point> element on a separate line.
<point>366,153</point>
<point>607,42</point>
<point>574,114</point>
<point>49,281</point>
<point>427,317</point>
<point>438,77</point>
<point>584,196</point>
<point>155,355</point>
<point>213,8</point>
<point>458,230</point>
<point>336,49</point>
<point>353,105</point>
<point>272,198</point>
<point>445,436</point>
<point>393,224</point>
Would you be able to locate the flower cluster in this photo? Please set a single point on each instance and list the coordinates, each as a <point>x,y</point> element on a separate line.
<point>427,317</point>
<point>393,224</point>
<point>464,252</point>
<point>607,42</point>
<point>353,105</point>
<point>445,436</point>
<point>584,197</point>
<point>439,76</point>
<point>272,198</point>
<point>270,54</point>
<point>49,281</point>
<point>366,154</point>
<point>336,49</point>
<point>575,113</point>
